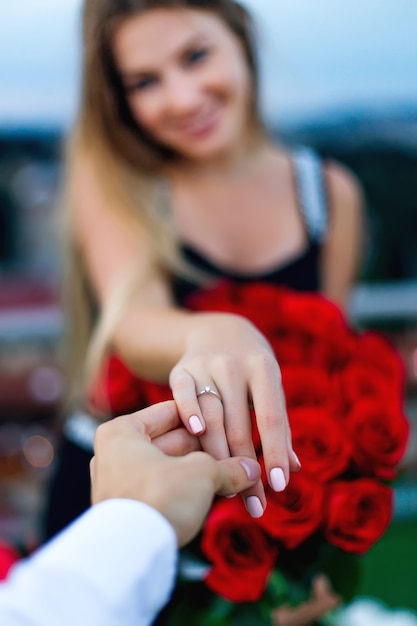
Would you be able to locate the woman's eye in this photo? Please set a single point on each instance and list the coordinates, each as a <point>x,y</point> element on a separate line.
<point>195,56</point>
<point>141,84</point>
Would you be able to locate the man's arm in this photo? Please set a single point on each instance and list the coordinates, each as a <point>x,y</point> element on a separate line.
<point>115,565</point>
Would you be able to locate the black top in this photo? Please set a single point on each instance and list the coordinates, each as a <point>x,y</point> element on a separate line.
<point>300,273</point>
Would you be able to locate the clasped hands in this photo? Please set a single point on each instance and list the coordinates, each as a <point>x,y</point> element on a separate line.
<point>136,457</point>
<point>216,450</point>
<point>133,459</point>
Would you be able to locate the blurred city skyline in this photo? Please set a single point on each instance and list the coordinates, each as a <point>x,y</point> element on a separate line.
<point>315,57</point>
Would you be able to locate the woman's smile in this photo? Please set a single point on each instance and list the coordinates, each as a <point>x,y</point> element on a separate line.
<point>202,125</point>
<point>186,81</point>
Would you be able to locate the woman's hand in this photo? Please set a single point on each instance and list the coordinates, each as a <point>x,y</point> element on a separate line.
<point>322,600</point>
<point>227,355</point>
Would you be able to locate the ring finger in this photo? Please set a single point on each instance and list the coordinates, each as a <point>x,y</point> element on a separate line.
<point>213,440</point>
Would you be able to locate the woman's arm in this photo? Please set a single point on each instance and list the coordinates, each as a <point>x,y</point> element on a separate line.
<point>342,249</point>
<point>189,350</point>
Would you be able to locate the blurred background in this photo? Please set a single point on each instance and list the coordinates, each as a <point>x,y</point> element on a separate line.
<point>340,76</point>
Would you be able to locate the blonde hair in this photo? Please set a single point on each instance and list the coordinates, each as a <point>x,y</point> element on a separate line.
<point>128,163</point>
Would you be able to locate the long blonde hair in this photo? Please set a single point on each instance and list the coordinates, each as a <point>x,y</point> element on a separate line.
<point>127,162</point>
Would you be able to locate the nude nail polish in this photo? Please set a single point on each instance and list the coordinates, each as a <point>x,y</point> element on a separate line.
<point>195,424</point>
<point>277,477</point>
<point>297,459</point>
<point>251,468</point>
<point>254,506</point>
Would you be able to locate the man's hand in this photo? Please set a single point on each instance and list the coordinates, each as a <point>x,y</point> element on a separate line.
<point>128,465</point>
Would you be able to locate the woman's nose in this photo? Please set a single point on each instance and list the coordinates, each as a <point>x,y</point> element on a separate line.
<point>182,96</point>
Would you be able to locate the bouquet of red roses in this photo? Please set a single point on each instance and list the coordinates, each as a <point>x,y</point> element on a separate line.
<point>8,557</point>
<point>344,392</point>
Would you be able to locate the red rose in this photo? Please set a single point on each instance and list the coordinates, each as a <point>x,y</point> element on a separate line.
<point>242,555</point>
<point>117,390</point>
<point>376,352</point>
<point>154,393</point>
<point>256,437</point>
<point>358,513</point>
<point>319,325</point>
<point>8,557</point>
<point>317,315</point>
<point>361,382</point>
<point>301,327</point>
<point>290,348</point>
<point>257,302</point>
<point>294,514</point>
<point>342,346</point>
<point>379,435</point>
<point>307,386</point>
<point>321,446</point>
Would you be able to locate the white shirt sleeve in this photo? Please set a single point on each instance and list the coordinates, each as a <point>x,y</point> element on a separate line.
<point>114,566</point>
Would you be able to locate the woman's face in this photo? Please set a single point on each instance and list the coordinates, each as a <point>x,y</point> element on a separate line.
<point>186,80</point>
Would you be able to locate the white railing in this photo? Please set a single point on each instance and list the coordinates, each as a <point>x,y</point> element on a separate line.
<point>381,302</point>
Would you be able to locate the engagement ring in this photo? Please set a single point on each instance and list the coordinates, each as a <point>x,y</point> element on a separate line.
<point>211,391</point>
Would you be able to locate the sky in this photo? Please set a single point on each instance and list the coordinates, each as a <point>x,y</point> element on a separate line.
<point>315,56</point>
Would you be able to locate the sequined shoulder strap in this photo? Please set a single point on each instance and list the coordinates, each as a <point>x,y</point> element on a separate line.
<point>312,199</point>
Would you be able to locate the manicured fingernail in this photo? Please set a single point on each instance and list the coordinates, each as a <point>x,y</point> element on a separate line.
<point>251,468</point>
<point>195,424</point>
<point>277,479</point>
<point>296,459</point>
<point>254,506</point>
<point>232,495</point>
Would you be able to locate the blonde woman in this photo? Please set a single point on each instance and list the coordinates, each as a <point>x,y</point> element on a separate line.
<point>172,183</point>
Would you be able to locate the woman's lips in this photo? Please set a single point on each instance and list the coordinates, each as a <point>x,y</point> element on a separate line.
<point>201,127</point>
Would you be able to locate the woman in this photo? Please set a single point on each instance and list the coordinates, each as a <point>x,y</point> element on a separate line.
<point>172,183</point>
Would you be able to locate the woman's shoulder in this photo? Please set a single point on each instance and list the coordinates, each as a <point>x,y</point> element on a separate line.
<point>343,188</point>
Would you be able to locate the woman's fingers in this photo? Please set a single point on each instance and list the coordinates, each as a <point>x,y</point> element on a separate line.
<point>214,439</point>
<point>272,422</point>
<point>214,407</point>
<point>295,464</point>
<point>200,408</point>
<point>239,437</point>
<point>184,392</point>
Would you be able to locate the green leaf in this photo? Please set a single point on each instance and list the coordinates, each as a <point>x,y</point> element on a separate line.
<point>278,587</point>
<point>220,608</point>
<point>250,615</point>
<point>209,620</point>
<point>343,570</point>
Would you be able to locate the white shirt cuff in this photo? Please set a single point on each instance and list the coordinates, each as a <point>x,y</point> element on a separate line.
<point>114,565</point>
